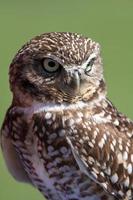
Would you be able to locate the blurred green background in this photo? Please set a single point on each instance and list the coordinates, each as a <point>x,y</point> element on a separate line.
<point>108,22</point>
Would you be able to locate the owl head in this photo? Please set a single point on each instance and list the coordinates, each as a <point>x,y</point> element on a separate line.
<point>57,67</point>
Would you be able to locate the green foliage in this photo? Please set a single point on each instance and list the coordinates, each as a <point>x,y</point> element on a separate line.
<point>108,22</point>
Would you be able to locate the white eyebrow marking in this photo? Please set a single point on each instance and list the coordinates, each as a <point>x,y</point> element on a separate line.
<point>83,65</point>
<point>93,55</point>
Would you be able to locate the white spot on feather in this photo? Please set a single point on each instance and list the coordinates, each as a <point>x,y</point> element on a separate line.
<point>125,155</point>
<point>114,178</point>
<point>101,143</point>
<point>129,168</point>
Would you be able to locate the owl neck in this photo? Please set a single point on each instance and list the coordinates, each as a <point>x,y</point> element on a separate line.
<point>98,98</point>
<point>91,98</point>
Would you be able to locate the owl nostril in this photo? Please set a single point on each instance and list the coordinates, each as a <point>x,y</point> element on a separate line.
<point>77,71</point>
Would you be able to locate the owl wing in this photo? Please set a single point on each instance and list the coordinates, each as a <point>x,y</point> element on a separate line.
<point>25,145</point>
<point>10,155</point>
<point>105,155</point>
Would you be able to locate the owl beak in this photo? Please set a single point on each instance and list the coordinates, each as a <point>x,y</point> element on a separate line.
<point>73,82</point>
<point>76,81</point>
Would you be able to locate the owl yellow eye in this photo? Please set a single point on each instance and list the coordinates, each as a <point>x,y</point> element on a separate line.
<point>90,64</point>
<point>50,65</point>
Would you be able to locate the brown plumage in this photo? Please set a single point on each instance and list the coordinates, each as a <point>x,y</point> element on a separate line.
<point>61,133</point>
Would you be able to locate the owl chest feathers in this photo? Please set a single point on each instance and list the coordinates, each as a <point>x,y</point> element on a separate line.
<point>40,135</point>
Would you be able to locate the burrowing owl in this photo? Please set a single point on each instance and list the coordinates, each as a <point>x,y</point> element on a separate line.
<point>61,133</point>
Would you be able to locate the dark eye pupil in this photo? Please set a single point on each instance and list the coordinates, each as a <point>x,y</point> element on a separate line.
<point>51,64</point>
<point>91,62</point>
